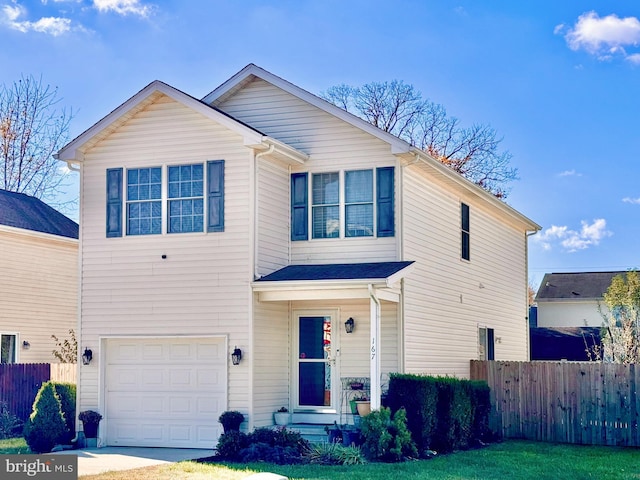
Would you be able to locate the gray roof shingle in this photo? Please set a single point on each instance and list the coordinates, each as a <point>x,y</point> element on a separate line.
<point>336,271</point>
<point>29,213</point>
<point>576,286</point>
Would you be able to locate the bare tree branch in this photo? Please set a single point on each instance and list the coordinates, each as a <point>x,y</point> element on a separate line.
<point>398,108</point>
<point>32,128</point>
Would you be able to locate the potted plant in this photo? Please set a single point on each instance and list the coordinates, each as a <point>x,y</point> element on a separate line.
<point>334,433</point>
<point>90,420</point>
<point>350,436</point>
<point>363,404</point>
<point>281,416</point>
<point>231,420</point>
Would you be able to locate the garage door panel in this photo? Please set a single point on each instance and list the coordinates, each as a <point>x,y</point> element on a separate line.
<point>165,392</point>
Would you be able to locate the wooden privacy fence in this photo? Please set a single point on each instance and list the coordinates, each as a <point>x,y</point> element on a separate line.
<point>569,402</point>
<point>20,382</point>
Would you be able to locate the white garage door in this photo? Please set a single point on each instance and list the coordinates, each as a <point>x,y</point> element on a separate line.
<point>165,392</point>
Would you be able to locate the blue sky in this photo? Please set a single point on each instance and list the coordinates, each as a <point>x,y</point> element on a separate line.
<point>557,79</point>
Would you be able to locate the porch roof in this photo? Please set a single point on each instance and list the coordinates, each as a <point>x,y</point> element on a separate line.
<point>333,281</point>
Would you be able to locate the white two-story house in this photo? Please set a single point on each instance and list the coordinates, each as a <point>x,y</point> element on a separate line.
<point>264,221</point>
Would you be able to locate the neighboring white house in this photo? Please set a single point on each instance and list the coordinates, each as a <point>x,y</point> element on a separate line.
<point>573,299</point>
<point>264,219</point>
<point>38,278</point>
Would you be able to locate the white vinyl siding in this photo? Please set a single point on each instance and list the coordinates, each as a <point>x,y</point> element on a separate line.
<point>565,313</point>
<point>39,285</point>
<point>332,144</point>
<point>202,284</point>
<point>446,298</point>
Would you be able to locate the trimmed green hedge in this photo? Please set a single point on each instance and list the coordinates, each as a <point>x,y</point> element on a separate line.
<point>443,414</point>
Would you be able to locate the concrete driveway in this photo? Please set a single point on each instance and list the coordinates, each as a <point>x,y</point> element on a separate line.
<point>92,461</point>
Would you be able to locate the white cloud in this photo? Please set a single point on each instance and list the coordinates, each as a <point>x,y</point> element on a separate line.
<point>635,201</point>
<point>569,173</point>
<point>11,15</point>
<point>123,7</point>
<point>604,37</point>
<point>573,240</point>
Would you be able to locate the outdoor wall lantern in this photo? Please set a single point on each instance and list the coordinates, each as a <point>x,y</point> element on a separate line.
<point>236,356</point>
<point>349,325</point>
<point>87,356</point>
<point>26,345</point>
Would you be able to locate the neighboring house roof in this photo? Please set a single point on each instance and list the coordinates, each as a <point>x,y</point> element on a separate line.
<point>563,343</point>
<point>19,210</point>
<point>575,286</point>
<point>398,146</point>
<point>339,271</point>
<point>73,152</point>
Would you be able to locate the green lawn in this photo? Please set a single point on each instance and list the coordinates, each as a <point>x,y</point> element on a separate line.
<point>512,460</point>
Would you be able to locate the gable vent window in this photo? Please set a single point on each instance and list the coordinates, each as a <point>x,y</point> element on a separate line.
<point>173,199</point>
<point>465,232</point>
<point>352,203</point>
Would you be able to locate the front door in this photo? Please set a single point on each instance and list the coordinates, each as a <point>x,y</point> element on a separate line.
<point>315,363</point>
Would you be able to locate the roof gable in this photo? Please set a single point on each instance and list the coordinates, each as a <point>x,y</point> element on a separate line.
<point>18,210</point>
<point>575,286</point>
<point>405,151</point>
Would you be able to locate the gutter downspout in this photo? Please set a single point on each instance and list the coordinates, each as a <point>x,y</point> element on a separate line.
<point>272,147</point>
<point>526,268</point>
<point>374,312</point>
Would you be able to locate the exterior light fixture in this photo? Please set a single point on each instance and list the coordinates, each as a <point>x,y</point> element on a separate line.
<point>26,345</point>
<point>87,356</point>
<point>236,356</point>
<point>349,325</point>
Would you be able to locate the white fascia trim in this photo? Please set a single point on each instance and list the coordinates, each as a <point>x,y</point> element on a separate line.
<point>316,284</point>
<point>474,189</point>
<point>397,145</point>
<point>69,152</point>
<point>280,151</point>
<point>40,235</point>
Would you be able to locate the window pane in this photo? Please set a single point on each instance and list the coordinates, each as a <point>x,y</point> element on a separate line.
<point>326,222</point>
<point>8,349</point>
<point>326,188</point>
<point>359,220</point>
<point>359,186</point>
<point>186,213</point>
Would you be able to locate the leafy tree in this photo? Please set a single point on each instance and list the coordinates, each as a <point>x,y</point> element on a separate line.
<point>66,351</point>
<point>621,329</point>
<point>32,128</point>
<point>399,109</point>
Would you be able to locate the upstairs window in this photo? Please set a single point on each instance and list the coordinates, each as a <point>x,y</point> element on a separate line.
<point>353,203</point>
<point>465,247</point>
<point>173,199</point>
<point>144,201</point>
<point>186,198</point>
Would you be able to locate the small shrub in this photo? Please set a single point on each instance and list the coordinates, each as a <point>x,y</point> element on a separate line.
<point>46,425</point>
<point>231,420</point>
<point>386,440</point>
<point>230,445</point>
<point>334,454</point>
<point>10,425</point>
<point>280,446</point>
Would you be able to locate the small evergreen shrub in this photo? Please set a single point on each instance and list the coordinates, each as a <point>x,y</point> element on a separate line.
<point>385,439</point>
<point>230,444</point>
<point>67,395</point>
<point>231,420</point>
<point>10,425</point>
<point>46,425</point>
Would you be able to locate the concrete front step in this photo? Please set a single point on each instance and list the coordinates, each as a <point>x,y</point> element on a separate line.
<point>314,433</point>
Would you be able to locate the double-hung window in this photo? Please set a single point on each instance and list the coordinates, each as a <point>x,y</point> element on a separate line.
<point>182,198</point>
<point>351,203</point>
<point>465,239</point>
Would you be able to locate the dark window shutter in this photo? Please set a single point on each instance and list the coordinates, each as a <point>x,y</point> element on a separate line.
<point>491,355</point>
<point>215,195</point>
<point>114,202</point>
<point>385,201</point>
<point>299,206</point>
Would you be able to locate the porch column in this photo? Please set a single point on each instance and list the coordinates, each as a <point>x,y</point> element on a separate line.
<point>374,313</point>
